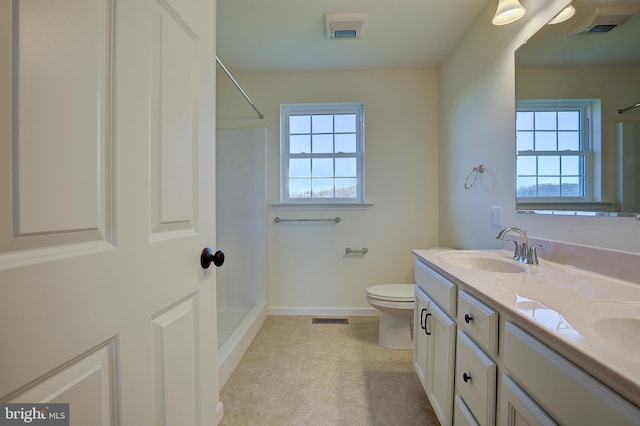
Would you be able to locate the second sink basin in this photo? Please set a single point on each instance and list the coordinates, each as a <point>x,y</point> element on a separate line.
<point>615,321</point>
<point>477,261</point>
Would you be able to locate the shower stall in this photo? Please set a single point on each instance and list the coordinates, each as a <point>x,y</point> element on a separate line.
<point>241,234</point>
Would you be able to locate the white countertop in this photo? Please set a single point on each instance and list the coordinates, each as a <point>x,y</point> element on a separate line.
<point>555,302</point>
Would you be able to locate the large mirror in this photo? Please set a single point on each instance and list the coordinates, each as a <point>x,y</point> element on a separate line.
<point>578,113</point>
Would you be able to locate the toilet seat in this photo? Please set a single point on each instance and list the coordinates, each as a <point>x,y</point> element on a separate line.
<point>392,292</point>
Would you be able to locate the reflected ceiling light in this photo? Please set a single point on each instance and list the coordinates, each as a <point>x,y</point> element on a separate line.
<point>564,14</point>
<point>508,11</point>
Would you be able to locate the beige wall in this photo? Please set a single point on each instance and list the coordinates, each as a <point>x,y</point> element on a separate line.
<point>307,267</point>
<point>477,125</point>
<point>425,131</point>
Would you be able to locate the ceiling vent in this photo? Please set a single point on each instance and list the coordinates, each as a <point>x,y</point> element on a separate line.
<point>342,26</point>
<point>605,19</point>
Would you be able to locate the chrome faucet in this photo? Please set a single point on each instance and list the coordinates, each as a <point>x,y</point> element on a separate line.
<point>522,251</point>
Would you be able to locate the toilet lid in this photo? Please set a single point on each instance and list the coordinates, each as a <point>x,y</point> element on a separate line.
<point>392,292</point>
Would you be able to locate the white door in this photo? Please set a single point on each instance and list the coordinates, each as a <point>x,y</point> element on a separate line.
<point>107,118</point>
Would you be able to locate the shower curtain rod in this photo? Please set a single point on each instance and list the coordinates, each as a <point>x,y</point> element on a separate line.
<point>629,108</point>
<point>239,88</point>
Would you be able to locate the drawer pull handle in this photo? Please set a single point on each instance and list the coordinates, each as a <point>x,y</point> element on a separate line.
<point>466,377</point>
<point>423,320</point>
<point>468,318</point>
<point>428,333</point>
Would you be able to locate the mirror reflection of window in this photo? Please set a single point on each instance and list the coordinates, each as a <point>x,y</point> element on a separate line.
<point>553,149</point>
<point>569,61</point>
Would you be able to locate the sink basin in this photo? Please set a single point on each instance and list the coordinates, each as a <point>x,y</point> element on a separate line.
<point>615,321</point>
<point>481,262</point>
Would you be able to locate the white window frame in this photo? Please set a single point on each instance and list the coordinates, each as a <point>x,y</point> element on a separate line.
<point>286,110</point>
<point>588,146</point>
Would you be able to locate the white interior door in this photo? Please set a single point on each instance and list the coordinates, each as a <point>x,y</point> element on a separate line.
<point>106,200</point>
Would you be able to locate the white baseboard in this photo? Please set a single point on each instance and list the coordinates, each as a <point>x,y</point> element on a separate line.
<point>323,311</point>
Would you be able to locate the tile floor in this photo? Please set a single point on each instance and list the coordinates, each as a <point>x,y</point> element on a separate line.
<point>298,373</point>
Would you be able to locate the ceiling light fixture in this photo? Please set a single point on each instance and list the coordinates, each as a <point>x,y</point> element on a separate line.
<point>508,11</point>
<point>564,15</point>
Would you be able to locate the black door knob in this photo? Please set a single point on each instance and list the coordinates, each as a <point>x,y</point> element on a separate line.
<point>207,257</point>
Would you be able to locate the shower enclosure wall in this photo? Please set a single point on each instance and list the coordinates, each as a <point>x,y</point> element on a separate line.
<point>241,234</point>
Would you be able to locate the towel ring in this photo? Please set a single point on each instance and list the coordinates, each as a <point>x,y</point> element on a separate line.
<point>473,173</point>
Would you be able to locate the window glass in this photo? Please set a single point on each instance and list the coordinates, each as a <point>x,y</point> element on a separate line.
<point>299,167</point>
<point>549,165</point>
<point>548,186</point>
<point>346,167</point>
<point>299,124</point>
<point>570,165</point>
<point>322,153</point>
<point>299,144</point>
<point>322,188</point>
<point>527,166</point>
<point>322,167</point>
<point>545,141</point>
<point>568,120</point>
<point>322,123</point>
<point>552,150</point>
<point>524,120</point>
<point>300,188</point>
<point>545,120</point>
<point>322,144</point>
<point>569,141</point>
<point>346,143</point>
<point>345,123</point>
<point>346,188</point>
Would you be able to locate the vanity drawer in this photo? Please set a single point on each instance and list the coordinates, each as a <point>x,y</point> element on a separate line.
<point>439,289</point>
<point>476,380</point>
<point>479,321</point>
<point>564,391</point>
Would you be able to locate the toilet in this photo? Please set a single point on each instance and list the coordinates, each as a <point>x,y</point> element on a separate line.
<point>395,303</point>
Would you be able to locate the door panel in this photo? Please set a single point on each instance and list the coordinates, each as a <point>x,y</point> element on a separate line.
<point>45,206</point>
<point>89,382</point>
<point>175,353</point>
<point>107,177</point>
<point>174,121</point>
<point>441,359</point>
<point>55,42</point>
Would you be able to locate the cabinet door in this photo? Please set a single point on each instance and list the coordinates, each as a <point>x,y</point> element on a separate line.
<point>440,361</point>
<point>462,415</point>
<point>420,337</point>
<point>517,408</point>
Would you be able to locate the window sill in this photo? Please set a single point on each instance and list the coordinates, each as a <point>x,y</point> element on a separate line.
<point>321,206</point>
<point>568,206</point>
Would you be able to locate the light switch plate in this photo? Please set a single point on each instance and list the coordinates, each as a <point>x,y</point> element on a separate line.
<point>496,215</point>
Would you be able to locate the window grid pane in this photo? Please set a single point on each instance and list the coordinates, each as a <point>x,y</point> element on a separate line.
<point>324,155</point>
<point>550,158</point>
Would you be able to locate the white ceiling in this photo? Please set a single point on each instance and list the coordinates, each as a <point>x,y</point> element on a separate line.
<point>558,45</point>
<point>289,35</point>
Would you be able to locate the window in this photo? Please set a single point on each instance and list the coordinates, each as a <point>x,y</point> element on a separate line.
<point>322,153</point>
<point>554,151</point>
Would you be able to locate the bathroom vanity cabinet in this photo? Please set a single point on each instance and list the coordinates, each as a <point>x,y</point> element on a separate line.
<point>480,365</point>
